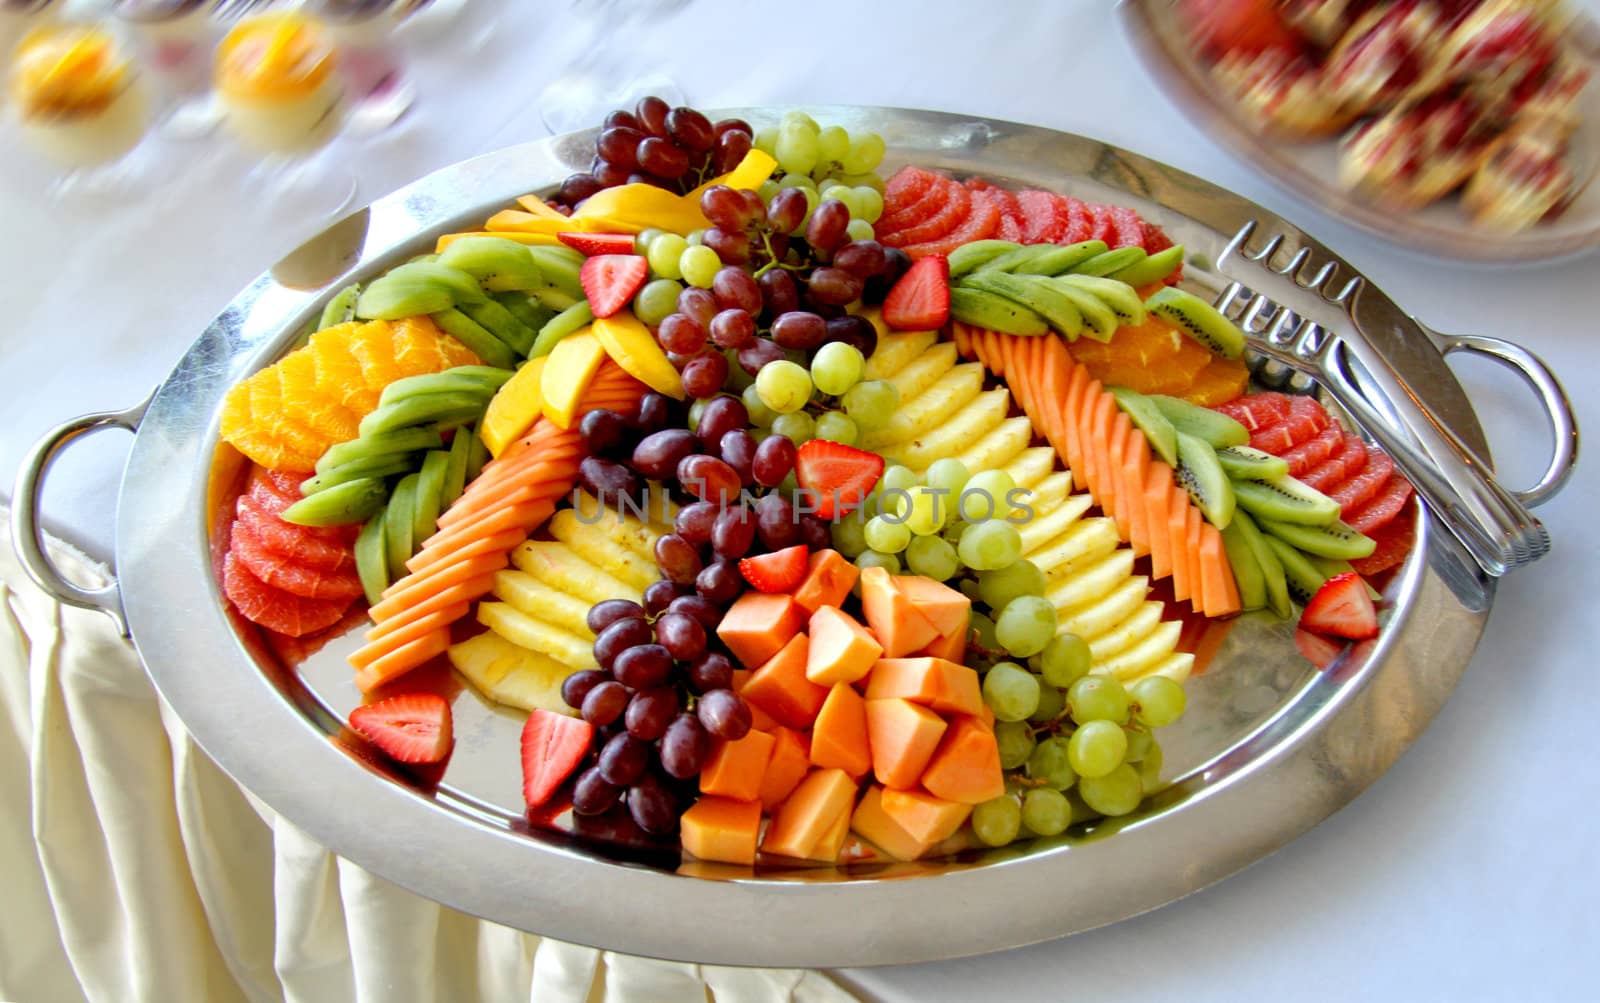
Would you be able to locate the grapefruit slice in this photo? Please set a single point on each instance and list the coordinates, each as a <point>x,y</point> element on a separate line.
<point>288,574</point>
<point>1314,451</point>
<point>1257,411</point>
<point>1041,214</point>
<point>273,608</point>
<point>943,222</point>
<point>1380,511</point>
<point>981,224</point>
<point>287,540</point>
<point>1364,486</point>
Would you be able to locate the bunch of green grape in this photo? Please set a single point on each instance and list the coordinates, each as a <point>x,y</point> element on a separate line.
<point>827,163</point>
<point>829,400</point>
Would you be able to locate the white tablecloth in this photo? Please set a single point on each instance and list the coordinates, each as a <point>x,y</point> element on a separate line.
<point>1465,873</point>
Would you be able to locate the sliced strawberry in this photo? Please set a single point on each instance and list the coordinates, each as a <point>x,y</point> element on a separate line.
<point>1378,512</point>
<point>1078,222</point>
<point>1041,214</point>
<point>920,300</point>
<point>611,280</point>
<point>1257,411</point>
<point>409,728</point>
<point>273,608</point>
<point>1342,608</point>
<point>287,573</point>
<point>1314,450</point>
<point>552,747</point>
<point>981,224</point>
<point>595,244</point>
<point>1395,540</point>
<point>945,221</point>
<point>842,476</point>
<point>780,571</point>
<point>1319,651</point>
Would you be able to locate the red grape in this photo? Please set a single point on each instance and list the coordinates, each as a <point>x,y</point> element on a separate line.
<point>655,412</point>
<point>678,559</point>
<point>652,805</point>
<point>723,714</point>
<point>578,187</point>
<point>861,258</point>
<point>730,149</point>
<point>603,430</point>
<point>733,247</point>
<point>620,119</point>
<point>610,175</point>
<point>608,611</point>
<point>609,480</point>
<point>735,289</point>
<point>694,521</point>
<point>727,125</point>
<point>757,354</point>
<point>619,636</point>
<point>620,146</point>
<point>690,129</point>
<point>577,686</point>
<point>826,229</point>
<point>703,611</point>
<point>733,328</point>
<point>650,711</point>
<point>663,158</point>
<point>658,454</point>
<point>680,332</point>
<point>779,294</point>
<point>800,329</point>
<point>698,304</point>
<point>774,459</point>
<point>733,532</point>
<point>712,671</point>
<point>623,758</point>
<point>775,522</point>
<point>787,209</point>
<point>727,209</point>
<point>738,450</point>
<point>814,533</point>
<point>659,595</point>
<point>835,286</point>
<point>720,582</point>
<point>704,375</point>
<point>682,636</point>
<point>605,703</point>
<point>651,112</point>
<point>643,666</point>
<point>721,416</point>
<point>592,793</point>
<point>684,747</point>
<point>708,479</point>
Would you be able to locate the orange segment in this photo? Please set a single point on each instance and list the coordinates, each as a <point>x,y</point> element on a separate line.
<point>1152,358</point>
<point>1221,381</point>
<point>297,374</point>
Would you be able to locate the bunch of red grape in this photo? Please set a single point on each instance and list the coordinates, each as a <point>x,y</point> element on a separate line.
<point>655,144</point>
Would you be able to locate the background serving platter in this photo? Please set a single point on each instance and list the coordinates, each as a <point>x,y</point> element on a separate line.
<point>1269,748</point>
<point>1310,169</point>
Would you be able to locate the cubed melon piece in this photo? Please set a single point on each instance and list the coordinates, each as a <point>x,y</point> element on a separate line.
<point>951,647</point>
<point>829,579</point>
<point>787,766</point>
<point>759,624</point>
<point>925,818</point>
<point>946,686</point>
<point>842,650</point>
<point>839,737</point>
<point>966,766</point>
<point>870,823</point>
<point>810,814</point>
<point>780,687</point>
<point>895,622</point>
<point>735,769</point>
<point>944,607</point>
<point>760,720</point>
<point>831,845</point>
<point>902,737</point>
<point>716,828</point>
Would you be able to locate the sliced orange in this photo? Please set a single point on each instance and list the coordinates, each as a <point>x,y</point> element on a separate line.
<point>1221,381</point>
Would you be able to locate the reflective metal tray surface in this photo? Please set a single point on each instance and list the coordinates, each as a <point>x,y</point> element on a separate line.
<point>1268,748</point>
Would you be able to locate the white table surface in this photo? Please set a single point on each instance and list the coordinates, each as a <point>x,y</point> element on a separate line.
<point>1466,872</point>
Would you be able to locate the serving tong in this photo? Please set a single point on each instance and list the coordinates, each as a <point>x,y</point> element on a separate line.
<point>1309,326</point>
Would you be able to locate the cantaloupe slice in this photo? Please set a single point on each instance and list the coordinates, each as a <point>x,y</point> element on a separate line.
<point>945,686</point>
<point>828,581</point>
<point>1135,461</point>
<point>1192,521</point>
<point>1177,535</point>
<point>1220,590</point>
<point>966,766</point>
<point>717,828</point>
<point>780,686</point>
<point>902,737</point>
<point>735,769</point>
<point>841,650</point>
<point>810,814</point>
<point>925,818</point>
<point>944,607</point>
<point>1121,429</point>
<point>1105,407</point>
<point>839,735</point>
<point>951,647</point>
<point>897,624</point>
<point>786,767</point>
<point>760,720</point>
<point>871,823</point>
<point>759,624</point>
<point>1157,490</point>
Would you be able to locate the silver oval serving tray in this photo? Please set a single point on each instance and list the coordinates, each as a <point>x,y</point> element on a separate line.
<point>1310,169</point>
<point>1269,748</point>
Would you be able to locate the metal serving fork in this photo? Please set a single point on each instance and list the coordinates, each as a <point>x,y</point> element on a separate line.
<point>1295,327</point>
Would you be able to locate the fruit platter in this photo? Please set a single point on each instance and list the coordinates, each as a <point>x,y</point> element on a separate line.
<point>1464,128</point>
<point>814,518</point>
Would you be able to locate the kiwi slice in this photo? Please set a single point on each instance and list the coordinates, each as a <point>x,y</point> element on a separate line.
<point>372,559</point>
<point>1277,585</point>
<point>1285,499</point>
<point>1253,464</point>
<point>380,466</point>
<point>1100,321</point>
<point>453,407</point>
<point>1209,426</point>
<point>403,440</point>
<point>463,286</point>
<point>562,324</point>
<point>1154,268</point>
<point>1247,573</point>
<point>977,254</point>
<point>430,495</point>
<point>455,475</point>
<point>387,299</point>
<point>480,380</point>
<point>1149,420</point>
<point>341,308</point>
<point>477,455</point>
<point>1119,296</point>
<point>341,505</point>
<point>1337,542</point>
<point>557,300</point>
<point>1198,319</point>
<point>476,337</point>
<point>399,520</point>
<point>1304,578</point>
<point>1034,294</point>
<point>1061,258</point>
<point>501,323</point>
<point>1199,473</point>
<point>560,267</point>
<point>497,262</point>
<point>531,312</point>
<point>994,312</point>
<point>1114,260</point>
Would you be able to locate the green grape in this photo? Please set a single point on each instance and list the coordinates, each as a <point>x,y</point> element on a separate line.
<point>798,426</point>
<point>1098,698</point>
<point>663,255</point>
<point>657,300</point>
<point>833,142</point>
<point>1065,660</point>
<point>766,140</point>
<point>646,237</point>
<point>834,426</point>
<point>837,367</point>
<point>697,409</point>
<point>850,537</point>
<point>1050,764</point>
<point>796,150</point>
<point>1160,700</point>
<point>1150,767</point>
<point>997,822</point>
<point>932,557</point>
<point>984,497</point>
<point>874,559</point>
<point>870,201</point>
<point>860,229</point>
<point>738,381</point>
<point>868,180</point>
<point>798,181</point>
<point>812,201</point>
<point>760,414</point>
<point>1116,793</point>
<point>1026,624</point>
<point>866,152</point>
<point>784,386</point>
<point>801,119</point>
<point>949,474</point>
<point>925,512</point>
<point>790,483</point>
<point>952,531</point>
<point>989,545</point>
<point>1016,743</point>
<point>1096,748</point>
<point>985,630</point>
<point>1046,812</point>
<point>766,190</point>
<point>1011,691</point>
<point>846,195</point>
<point>1051,703</point>
<point>699,266</point>
<point>871,402</point>
<point>898,478</point>
<point>1001,585</point>
<point>696,238</point>
<point>969,588</point>
<point>1139,745</point>
<point>886,536</point>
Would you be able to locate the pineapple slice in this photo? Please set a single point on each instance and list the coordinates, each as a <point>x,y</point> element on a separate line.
<point>625,528</point>
<point>512,675</point>
<point>924,371</point>
<point>1104,614</point>
<point>537,599</point>
<point>594,545</point>
<point>1052,492</point>
<point>895,352</point>
<point>964,429</point>
<point>1144,655</point>
<point>927,411</point>
<point>559,567</point>
<point>525,631</point>
<point>1126,634</point>
<point>1091,581</point>
<point>1041,529</point>
<point>1000,445</point>
<point>1032,465</point>
<point>1084,542</point>
<point>1176,667</point>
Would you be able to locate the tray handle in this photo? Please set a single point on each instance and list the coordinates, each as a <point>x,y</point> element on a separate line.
<point>27,534</point>
<point>1557,406</point>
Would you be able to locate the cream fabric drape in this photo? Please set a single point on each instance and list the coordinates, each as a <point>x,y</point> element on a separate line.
<point>135,870</point>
